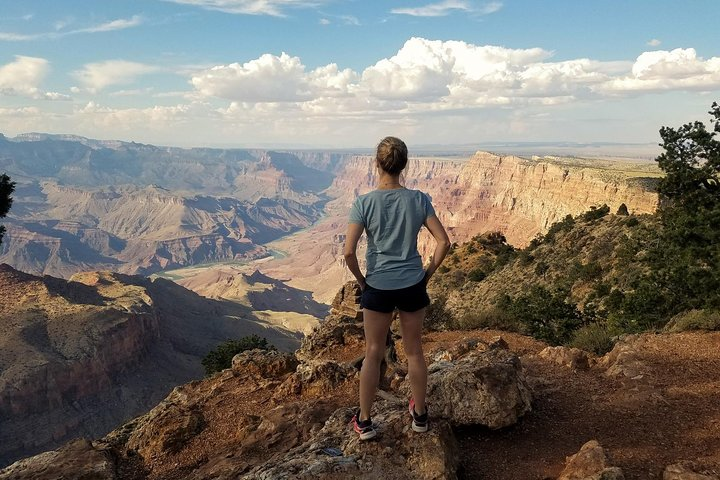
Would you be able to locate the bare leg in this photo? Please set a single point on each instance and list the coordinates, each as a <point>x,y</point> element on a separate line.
<point>376,326</point>
<point>411,324</point>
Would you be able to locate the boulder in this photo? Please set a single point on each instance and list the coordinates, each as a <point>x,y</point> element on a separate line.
<point>342,327</point>
<point>590,463</point>
<point>397,453</point>
<point>686,471</point>
<point>483,388</point>
<point>315,377</point>
<point>625,359</point>
<point>456,351</point>
<point>570,357</point>
<point>498,343</point>
<point>167,427</point>
<point>347,302</point>
<point>78,460</point>
<point>263,363</point>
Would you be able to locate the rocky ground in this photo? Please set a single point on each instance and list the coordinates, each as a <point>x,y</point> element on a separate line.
<point>504,406</point>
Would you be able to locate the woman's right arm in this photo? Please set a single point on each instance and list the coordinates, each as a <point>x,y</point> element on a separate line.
<point>349,252</point>
<point>442,245</point>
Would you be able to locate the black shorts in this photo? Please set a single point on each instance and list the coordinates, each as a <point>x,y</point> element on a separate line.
<point>408,299</point>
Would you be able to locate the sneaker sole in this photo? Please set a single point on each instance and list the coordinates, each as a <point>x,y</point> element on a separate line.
<point>368,435</point>
<point>416,427</point>
<point>419,428</point>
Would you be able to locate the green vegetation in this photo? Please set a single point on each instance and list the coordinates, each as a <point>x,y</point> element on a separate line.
<point>595,276</point>
<point>221,358</point>
<point>6,189</point>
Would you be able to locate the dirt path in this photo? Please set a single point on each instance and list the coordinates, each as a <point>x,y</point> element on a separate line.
<point>668,413</point>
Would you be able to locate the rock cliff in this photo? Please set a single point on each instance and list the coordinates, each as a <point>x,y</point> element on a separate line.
<point>517,196</point>
<point>78,357</point>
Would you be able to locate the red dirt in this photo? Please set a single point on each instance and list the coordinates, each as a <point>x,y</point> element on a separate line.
<point>670,414</point>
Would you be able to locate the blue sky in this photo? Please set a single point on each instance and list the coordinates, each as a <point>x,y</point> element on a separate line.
<point>332,73</point>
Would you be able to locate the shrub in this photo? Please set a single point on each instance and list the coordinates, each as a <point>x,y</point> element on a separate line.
<point>595,212</point>
<point>564,225</point>
<point>590,271</point>
<point>436,316</point>
<point>594,337</point>
<point>221,358</point>
<point>491,317</point>
<point>545,314</point>
<point>525,257</point>
<point>632,221</point>
<point>623,210</point>
<point>477,275</point>
<point>694,320</point>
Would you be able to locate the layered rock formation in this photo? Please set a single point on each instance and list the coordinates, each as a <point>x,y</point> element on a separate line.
<point>70,229</point>
<point>517,196</point>
<point>84,204</point>
<point>293,422</point>
<point>235,425</point>
<point>78,357</point>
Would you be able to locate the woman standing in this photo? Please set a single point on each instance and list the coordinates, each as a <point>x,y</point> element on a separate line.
<point>392,216</point>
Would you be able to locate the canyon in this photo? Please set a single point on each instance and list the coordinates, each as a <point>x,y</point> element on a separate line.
<point>520,197</point>
<point>80,356</point>
<point>256,236</point>
<point>83,204</point>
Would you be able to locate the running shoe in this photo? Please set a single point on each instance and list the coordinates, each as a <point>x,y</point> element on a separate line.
<point>419,422</point>
<point>364,428</point>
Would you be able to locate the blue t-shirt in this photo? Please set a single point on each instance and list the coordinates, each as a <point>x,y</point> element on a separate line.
<point>392,220</point>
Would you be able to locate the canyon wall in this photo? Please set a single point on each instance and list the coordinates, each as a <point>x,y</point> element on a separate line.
<point>79,357</point>
<point>517,196</point>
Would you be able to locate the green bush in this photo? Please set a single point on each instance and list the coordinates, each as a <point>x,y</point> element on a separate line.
<point>632,221</point>
<point>6,189</point>
<point>694,320</point>
<point>491,317</point>
<point>477,275</point>
<point>221,358</point>
<point>590,271</point>
<point>595,212</point>
<point>564,225</point>
<point>544,314</point>
<point>594,337</point>
<point>436,315</point>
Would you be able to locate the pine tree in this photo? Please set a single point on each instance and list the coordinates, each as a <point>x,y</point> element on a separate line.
<point>6,189</point>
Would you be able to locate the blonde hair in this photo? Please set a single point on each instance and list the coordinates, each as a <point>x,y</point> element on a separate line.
<point>392,155</point>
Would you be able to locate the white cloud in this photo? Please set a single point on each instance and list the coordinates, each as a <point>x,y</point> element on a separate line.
<point>489,8</point>
<point>679,69</point>
<point>272,79</point>
<point>429,89</point>
<point>252,7</point>
<point>23,76</point>
<point>434,9</point>
<point>654,42</point>
<point>97,76</point>
<point>324,21</point>
<point>119,24</point>
<point>447,7</point>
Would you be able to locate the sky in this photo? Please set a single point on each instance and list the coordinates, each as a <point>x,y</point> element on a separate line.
<point>345,73</point>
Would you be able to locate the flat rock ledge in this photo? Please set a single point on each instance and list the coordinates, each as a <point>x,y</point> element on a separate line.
<point>335,452</point>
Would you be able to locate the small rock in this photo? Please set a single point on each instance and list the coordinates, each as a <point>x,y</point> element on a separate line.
<point>590,463</point>
<point>685,471</point>
<point>263,363</point>
<point>498,343</point>
<point>570,357</point>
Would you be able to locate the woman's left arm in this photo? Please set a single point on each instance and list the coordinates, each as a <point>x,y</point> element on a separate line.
<point>354,232</point>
